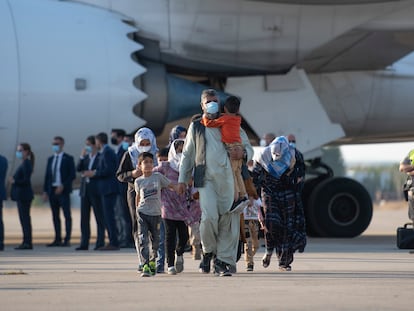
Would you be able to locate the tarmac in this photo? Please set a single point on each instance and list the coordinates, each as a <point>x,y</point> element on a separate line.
<point>364,273</point>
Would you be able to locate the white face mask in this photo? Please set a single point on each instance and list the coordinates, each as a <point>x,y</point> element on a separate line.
<point>144,148</point>
<point>262,143</point>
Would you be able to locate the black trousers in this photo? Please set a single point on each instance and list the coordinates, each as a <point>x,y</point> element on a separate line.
<point>57,201</point>
<point>88,201</point>
<point>172,246</point>
<point>23,208</point>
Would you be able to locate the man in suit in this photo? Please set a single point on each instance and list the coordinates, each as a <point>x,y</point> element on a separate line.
<point>122,216</point>
<point>108,187</point>
<point>59,176</point>
<point>3,196</point>
<point>90,197</point>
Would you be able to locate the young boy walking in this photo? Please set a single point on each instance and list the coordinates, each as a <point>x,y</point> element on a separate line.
<point>148,208</point>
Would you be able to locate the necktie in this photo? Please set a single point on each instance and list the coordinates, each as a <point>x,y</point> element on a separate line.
<point>54,171</point>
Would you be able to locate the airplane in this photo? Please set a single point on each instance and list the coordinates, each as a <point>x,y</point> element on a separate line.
<point>324,70</point>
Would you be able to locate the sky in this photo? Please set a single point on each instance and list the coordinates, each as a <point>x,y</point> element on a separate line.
<point>375,153</point>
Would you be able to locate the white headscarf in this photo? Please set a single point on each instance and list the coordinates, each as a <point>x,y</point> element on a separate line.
<point>173,157</point>
<point>276,158</point>
<point>140,135</point>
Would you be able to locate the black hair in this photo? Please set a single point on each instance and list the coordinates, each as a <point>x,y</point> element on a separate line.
<point>102,137</point>
<point>144,155</point>
<point>163,152</point>
<point>119,132</point>
<point>91,139</point>
<point>232,104</point>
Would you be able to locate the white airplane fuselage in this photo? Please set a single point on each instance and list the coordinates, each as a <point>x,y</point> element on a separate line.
<point>324,70</point>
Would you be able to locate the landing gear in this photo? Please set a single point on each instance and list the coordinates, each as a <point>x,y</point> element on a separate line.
<point>336,206</point>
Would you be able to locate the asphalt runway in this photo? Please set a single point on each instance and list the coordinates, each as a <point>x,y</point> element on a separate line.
<point>365,273</point>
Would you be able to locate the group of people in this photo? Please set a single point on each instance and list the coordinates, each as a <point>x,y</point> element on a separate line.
<point>205,186</point>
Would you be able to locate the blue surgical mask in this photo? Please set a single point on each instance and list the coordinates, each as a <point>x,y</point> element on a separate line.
<point>293,145</point>
<point>125,145</point>
<point>88,149</point>
<point>55,148</point>
<point>19,154</point>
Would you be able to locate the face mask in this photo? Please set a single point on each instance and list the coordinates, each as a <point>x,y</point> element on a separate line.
<point>262,143</point>
<point>114,141</point>
<point>88,149</point>
<point>125,145</point>
<point>144,148</point>
<point>293,145</point>
<point>19,154</point>
<point>55,148</point>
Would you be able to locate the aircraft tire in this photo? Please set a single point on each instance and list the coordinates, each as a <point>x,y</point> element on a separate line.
<point>309,187</point>
<point>339,207</point>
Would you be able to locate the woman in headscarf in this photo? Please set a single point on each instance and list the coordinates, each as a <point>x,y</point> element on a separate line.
<point>177,132</point>
<point>128,171</point>
<point>282,216</point>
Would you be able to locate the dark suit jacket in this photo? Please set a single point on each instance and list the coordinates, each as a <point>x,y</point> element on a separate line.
<point>119,155</point>
<point>3,172</point>
<point>105,172</point>
<point>124,175</point>
<point>83,165</point>
<point>67,173</point>
<point>22,186</point>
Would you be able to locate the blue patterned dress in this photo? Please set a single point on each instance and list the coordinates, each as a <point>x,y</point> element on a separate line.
<point>283,214</point>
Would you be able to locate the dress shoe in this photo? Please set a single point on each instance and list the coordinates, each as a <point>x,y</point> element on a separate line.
<point>109,247</point>
<point>66,244</point>
<point>82,248</point>
<point>54,243</point>
<point>97,247</point>
<point>24,246</point>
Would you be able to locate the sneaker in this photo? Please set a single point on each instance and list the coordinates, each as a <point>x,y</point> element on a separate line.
<point>179,263</point>
<point>160,270</point>
<point>221,268</point>
<point>266,260</point>
<point>139,269</point>
<point>153,267</point>
<point>205,264</point>
<point>171,271</point>
<point>285,268</point>
<point>146,271</point>
<point>249,267</point>
<point>239,205</point>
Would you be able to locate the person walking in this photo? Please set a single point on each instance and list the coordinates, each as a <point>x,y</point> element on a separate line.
<point>57,187</point>
<point>284,219</point>
<point>90,197</point>
<point>174,212</point>
<point>22,192</point>
<point>148,208</point>
<point>3,196</point>
<point>206,156</point>
<point>128,171</point>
